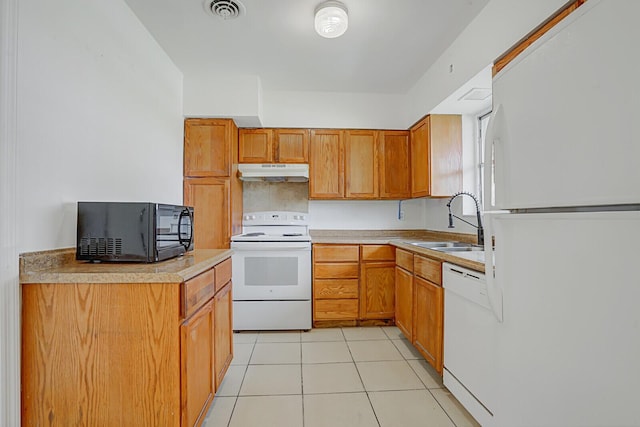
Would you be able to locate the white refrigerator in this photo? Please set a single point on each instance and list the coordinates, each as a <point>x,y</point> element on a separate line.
<point>563,151</point>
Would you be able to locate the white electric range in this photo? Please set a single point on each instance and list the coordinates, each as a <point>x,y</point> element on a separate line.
<point>272,272</point>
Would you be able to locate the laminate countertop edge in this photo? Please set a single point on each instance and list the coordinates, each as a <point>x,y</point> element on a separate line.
<point>175,270</point>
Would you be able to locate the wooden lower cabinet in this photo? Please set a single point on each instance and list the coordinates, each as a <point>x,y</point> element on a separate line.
<point>196,348</point>
<point>420,304</point>
<point>377,299</point>
<point>428,321</point>
<point>223,337</point>
<point>117,354</point>
<point>404,302</point>
<point>353,284</point>
<point>335,283</point>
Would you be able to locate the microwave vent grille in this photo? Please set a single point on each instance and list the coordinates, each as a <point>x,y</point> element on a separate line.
<point>101,246</point>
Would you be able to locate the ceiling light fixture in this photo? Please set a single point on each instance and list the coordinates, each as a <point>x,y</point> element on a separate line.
<point>331,19</point>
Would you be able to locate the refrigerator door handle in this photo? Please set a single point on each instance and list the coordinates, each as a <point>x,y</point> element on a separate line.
<point>494,291</point>
<point>491,147</point>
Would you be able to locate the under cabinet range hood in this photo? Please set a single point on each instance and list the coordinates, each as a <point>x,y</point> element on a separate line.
<point>271,172</point>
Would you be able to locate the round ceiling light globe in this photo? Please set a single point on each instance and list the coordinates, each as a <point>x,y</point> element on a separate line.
<point>331,19</point>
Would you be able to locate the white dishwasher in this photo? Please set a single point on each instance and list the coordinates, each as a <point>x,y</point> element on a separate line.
<point>469,336</point>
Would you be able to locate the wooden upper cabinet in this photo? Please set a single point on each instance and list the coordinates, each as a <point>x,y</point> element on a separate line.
<point>255,146</point>
<point>326,164</point>
<point>291,145</point>
<point>273,146</point>
<point>395,172</point>
<point>209,147</point>
<point>436,156</point>
<point>420,158</point>
<point>361,164</point>
<point>211,200</point>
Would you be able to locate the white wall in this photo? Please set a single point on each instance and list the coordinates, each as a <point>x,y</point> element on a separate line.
<point>99,115</point>
<point>237,97</point>
<point>9,284</point>
<point>333,110</point>
<point>500,25</point>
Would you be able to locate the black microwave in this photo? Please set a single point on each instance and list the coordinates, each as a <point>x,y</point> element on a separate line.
<point>133,232</point>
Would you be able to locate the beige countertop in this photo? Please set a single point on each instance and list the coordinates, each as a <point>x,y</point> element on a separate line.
<point>60,266</point>
<point>402,239</point>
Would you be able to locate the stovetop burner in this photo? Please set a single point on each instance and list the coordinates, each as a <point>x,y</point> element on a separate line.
<point>274,226</point>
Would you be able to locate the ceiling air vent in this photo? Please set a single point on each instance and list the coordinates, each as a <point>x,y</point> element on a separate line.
<point>476,94</point>
<point>225,9</point>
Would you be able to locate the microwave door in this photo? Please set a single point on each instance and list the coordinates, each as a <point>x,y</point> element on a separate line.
<point>173,229</point>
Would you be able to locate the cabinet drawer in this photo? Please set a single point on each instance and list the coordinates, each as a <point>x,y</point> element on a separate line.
<point>197,291</point>
<point>335,288</point>
<point>428,269</point>
<point>223,273</point>
<point>378,253</point>
<point>335,270</point>
<point>328,253</point>
<point>336,309</point>
<point>404,259</point>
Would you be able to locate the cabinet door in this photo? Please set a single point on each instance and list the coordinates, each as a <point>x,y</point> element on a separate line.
<point>420,158</point>
<point>428,321</point>
<point>210,198</point>
<point>395,167</point>
<point>223,345</point>
<point>361,164</point>
<point>326,164</point>
<point>445,159</point>
<point>208,147</point>
<point>255,146</point>
<point>377,290</point>
<point>404,302</point>
<point>291,145</point>
<point>196,344</point>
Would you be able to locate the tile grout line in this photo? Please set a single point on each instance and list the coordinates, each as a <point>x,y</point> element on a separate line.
<point>442,407</point>
<point>246,368</point>
<point>375,414</point>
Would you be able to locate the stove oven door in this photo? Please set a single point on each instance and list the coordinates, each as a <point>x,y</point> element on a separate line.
<point>267,271</point>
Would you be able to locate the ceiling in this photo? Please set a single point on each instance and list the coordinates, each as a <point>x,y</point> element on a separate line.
<point>389,44</point>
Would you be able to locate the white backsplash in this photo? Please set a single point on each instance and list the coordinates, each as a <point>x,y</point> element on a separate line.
<point>365,215</point>
<point>352,214</point>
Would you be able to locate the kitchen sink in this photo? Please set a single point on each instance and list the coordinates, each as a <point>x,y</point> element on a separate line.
<point>449,246</point>
<point>467,248</point>
<point>431,245</point>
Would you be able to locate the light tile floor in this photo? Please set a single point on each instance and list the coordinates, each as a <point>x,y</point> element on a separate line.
<point>339,377</point>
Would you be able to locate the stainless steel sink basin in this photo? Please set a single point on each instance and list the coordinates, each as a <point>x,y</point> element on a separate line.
<point>468,248</point>
<point>431,245</point>
<point>448,246</point>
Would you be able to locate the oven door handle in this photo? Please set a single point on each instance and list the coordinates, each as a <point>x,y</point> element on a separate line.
<point>270,246</point>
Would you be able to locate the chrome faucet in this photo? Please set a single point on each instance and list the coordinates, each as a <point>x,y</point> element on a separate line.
<point>479,226</point>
